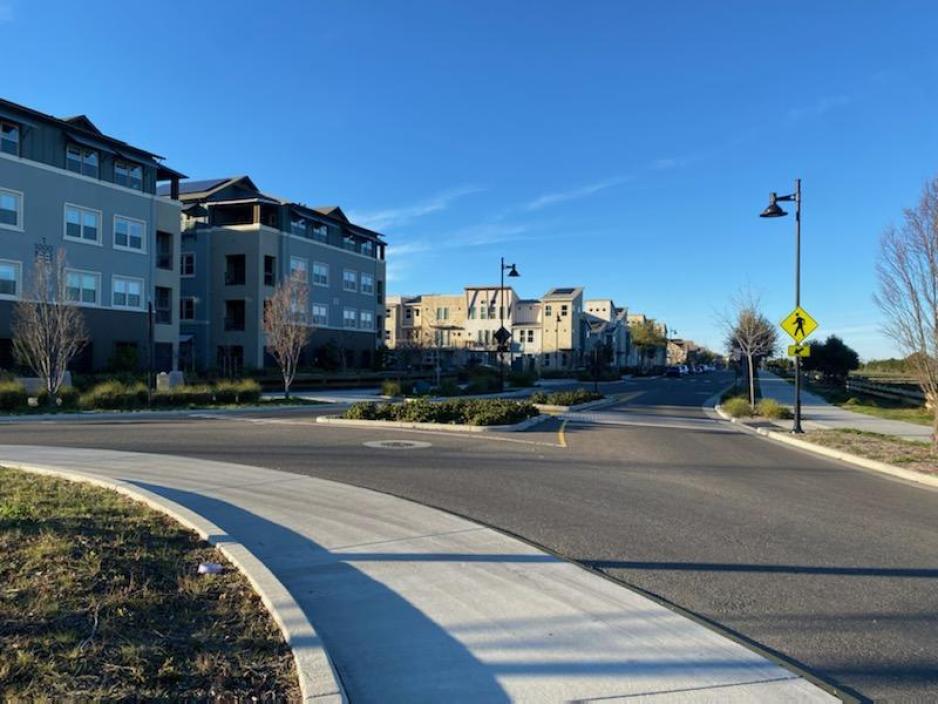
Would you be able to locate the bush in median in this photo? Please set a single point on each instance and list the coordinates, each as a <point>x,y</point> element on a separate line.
<point>113,395</point>
<point>566,398</point>
<point>67,398</point>
<point>13,396</point>
<point>737,407</point>
<point>457,412</point>
<point>770,408</point>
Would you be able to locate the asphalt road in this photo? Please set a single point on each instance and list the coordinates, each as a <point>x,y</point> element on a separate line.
<point>834,568</point>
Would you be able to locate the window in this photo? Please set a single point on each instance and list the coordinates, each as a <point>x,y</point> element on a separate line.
<point>298,226</point>
<point>530,336</point>
<point>483,309</point>
<point>368,248</point>
<point>547,311</point>
<point>299,267</point>
<point>234,270</point>
<point>82,287</point>
<point>81,160</point>
<point>563,310</point>
<point>367,320</point>
<point>350,280</point>
<point>10,276</point>
<point>126,292</point>
<point>187,264</point>
<point>320,232</point>
<point>348,242</point>
<point>350,318</point>
<point>10,138</point>
<point>163,305</point>
<point>270,267</point>
<point>368,284</point>
<point>234,315</point>
<point>442,313</point>
<point>128,234</point>
<point>164,250</point>
<point>320,314</point>
<point>320,274</point>
<point>127,174</point>
<point>82,224</point>
<point>187,308</point>
<point>11,209</point>
<point>472,313</point>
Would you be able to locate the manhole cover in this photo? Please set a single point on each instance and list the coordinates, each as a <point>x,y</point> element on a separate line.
<point>397,444</point>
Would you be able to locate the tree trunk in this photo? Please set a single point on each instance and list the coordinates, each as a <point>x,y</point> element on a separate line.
<point>286,387</point>
<point>752,382</point>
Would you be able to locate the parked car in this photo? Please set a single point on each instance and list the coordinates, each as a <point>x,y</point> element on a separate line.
<point>673,372</point>
<point>684,369</point>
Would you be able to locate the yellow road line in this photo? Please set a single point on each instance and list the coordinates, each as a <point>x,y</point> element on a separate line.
<point>560,438</point>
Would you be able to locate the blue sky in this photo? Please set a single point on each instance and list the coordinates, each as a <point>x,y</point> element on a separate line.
<point>624,146</point>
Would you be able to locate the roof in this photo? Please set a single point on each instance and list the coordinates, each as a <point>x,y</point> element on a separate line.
<point>194,186</point>
<point>333,211</point>
<point>571,292</point>
<point>529,301</point>
<point>80,125</point>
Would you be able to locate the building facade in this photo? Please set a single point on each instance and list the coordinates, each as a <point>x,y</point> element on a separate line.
<point>239,242</point>
<point>66,186</point>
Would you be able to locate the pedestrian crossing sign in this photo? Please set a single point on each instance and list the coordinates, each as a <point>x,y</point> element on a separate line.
<point>799,350</point>
<point>799,324</point>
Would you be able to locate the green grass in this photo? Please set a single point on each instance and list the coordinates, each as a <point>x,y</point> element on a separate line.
<point>100,600</point>
<point>888,409</point>
<point>909,454</point>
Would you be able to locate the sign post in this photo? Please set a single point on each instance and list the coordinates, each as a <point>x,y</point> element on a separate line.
<point>798,324</point>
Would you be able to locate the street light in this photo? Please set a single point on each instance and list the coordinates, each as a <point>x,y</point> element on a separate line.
<point>512,273</point>
<point>774,210</point>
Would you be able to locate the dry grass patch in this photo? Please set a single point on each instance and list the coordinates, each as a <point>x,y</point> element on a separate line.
<point>100,600</point>
<point>885,448</point>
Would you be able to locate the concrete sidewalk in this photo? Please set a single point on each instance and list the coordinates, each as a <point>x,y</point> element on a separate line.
<point>416,605</point>
<point>818,414</point>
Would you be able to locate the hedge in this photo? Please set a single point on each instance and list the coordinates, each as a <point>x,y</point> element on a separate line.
<point>113,395</point>
<point>67,398</point>
<point>566,398</point>
<point>13,396</point>
<point>455,412</point>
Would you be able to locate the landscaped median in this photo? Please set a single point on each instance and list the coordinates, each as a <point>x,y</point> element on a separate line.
<point>563,401</point>
<point>471,415</point>
<point>101,599</point>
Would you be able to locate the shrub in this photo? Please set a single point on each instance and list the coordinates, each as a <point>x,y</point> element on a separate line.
<point>392,387</point>
<point>67,398</point>
<point>244,391</point>
<point>13,396</point>
<point>457,411</point>
<point>770,408</point>
<point>566,398</point>
<point>737,407</point>
<point>113,395</point>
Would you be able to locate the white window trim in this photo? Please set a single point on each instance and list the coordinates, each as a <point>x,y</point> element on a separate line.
<point>361,287</point>
<point>97,275</point>
<point>20,213</point>
<point>183,255</point>
<point>328,274</point>
<point>18,267</point>
<point>305,261</point>
<point>345,283</point>
<point>345,318</point>
<point>99,242</point>
<point>146,234</point>
<point>143,291</point>
<point>371,325</point>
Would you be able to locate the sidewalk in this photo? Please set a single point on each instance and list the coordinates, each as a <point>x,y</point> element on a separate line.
<point>414,604</point>
<point>818,414</point>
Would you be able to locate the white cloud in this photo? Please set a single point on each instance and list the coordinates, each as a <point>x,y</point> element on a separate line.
<point>393,217</point>
<point>819,107</point>
<point>573,194</point>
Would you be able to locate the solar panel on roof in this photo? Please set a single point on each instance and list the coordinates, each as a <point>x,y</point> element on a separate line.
<point>562,291</point>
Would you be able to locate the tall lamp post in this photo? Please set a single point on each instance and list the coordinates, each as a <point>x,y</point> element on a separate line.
<point>512,273</point>
<point>775,211</point>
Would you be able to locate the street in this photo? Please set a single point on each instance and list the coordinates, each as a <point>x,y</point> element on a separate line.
<point>831,568</point>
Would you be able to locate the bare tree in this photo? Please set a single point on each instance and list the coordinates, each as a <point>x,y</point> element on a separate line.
<point>286,325</point>
<point>749,332</point>
<point>908,291</point>
<point>48,327</point>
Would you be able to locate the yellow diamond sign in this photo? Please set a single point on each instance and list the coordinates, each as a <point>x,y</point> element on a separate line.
<point>799,324</point>
<point>799,350</point>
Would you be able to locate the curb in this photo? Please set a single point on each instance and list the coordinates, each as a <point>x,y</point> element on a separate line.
<point>864,462</point>
<point>450,427</point>
<point>318,679</point>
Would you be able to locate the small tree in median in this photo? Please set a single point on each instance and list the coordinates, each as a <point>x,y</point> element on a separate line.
<point>908,292</point>
<point>750,332</point>
<point>286,326</point>
<point>48,328</point>
<point>646,336</point>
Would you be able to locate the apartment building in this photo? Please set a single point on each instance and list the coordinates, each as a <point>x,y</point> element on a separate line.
<point>563,328</point>
<point>238,242</point>
<point>608,327</point>
<point>65,185</point>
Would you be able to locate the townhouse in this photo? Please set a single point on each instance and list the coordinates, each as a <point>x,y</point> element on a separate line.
<point>65,185</point>
<point>238,242</point>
